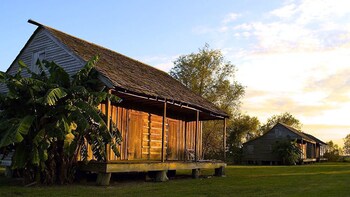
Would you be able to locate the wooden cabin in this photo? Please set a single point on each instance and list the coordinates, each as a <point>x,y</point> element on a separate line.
<point>160,119</point>
<point>260,150</point>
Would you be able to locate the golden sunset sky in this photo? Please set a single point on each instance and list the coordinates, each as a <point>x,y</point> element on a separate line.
<point>299,62</point>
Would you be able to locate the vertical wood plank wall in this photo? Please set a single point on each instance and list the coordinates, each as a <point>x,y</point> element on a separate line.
<point>142,136</point>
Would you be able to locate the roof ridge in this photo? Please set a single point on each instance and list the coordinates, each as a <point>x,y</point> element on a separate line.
<point>296,131</point>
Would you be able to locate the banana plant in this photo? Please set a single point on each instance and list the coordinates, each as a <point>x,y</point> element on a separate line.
<point>49,116</point>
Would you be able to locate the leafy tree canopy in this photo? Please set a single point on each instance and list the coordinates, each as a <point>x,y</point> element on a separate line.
<point>333,151</point>
<point>241,128</point>
<point>346,147</point>
<point>208,74</point>
<point>49,116</point>
<point>285,118</point>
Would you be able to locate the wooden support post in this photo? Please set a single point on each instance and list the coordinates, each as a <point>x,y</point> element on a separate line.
<point>220,171</point>
<point>103,178</point>
<point>108,109</point>
<point>163,131</point>
<point>315,156</point>
<point>185,139</point>
<point>196,173</point>
<point>224,140</point>
<point>161,176</point>
<point>302,149</point>
<point>8,172</point>
<point>127,124</point>
<point>196,137</point>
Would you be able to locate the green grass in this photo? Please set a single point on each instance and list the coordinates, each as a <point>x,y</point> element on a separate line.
<point>328,179</point>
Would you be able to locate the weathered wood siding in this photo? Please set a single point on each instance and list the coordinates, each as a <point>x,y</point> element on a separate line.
<point>142,136</point>
<point>54,51</point>
<point>261,149</point>
<point>42,41</point>
<point>303,149</point>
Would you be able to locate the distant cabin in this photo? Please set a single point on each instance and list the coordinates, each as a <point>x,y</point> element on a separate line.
<point>260,150</point>
<point>160,119</point>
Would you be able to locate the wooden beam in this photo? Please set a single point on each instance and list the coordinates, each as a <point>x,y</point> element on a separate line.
<point>185,139</point>
<point>224,140</point>
<point>163,131</point>
<point>302,149</point>
<point>196,137</point>
<point>108,113</point>
<point>175,103</point>
<point>144,167</point>
<point>127,124</point>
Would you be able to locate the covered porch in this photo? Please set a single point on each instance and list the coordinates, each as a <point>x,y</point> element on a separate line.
<point>159,136</point>
<point>308,152</point>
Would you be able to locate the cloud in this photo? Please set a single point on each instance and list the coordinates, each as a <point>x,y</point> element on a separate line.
<point>322,10</point>
<point>292,58</point>
<point>269,104</point>
<point>230,18</point>
<point>285,11</point>
<point>225,25</point>
<point>336,85</point>
<point>326,132</point>
<point>303,25</point>
<point>164,63</point>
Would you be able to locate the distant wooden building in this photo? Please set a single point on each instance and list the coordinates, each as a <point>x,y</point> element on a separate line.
<point>159,118</point>
<point>260,150</point>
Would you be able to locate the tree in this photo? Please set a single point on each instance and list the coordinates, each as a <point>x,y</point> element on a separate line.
<point>288,151</point>
<point>285,118</point>
<point>332,151</point>
<point>47,117</point>
<point>209,75</point>
<point>346,147</point>
<point>241,129</point>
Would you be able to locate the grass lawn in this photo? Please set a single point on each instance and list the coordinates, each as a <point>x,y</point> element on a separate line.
<point>327,179</point>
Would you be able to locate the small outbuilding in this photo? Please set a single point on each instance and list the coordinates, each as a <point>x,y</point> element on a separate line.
<point>160,120</point>
<point>260,150</point>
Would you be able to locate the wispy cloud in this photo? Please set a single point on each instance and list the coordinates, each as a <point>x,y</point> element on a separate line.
<point>285,12</point>
<point>296,59</point>
<point>336,85</point>
<point>291,58</point>
<point>163,62</point>
<point>225,25</point>
<point>230,18</point>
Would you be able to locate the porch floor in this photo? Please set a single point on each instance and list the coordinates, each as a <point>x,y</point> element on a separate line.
<point>147,165</point>
<point>309,160</point>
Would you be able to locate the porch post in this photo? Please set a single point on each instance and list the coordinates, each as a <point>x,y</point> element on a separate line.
<point>108,122</point>
<point>185,146</point>
<point>163,131</point>
<point>315,155</point>
<point>224,140</point>
<point>196,138</point>
<point>302,149</point>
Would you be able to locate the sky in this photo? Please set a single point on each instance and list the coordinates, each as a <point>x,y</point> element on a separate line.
<point>291,55</point>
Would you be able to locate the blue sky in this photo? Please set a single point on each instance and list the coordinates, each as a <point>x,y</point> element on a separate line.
<point>138,29</point>
<point>292,55</point>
